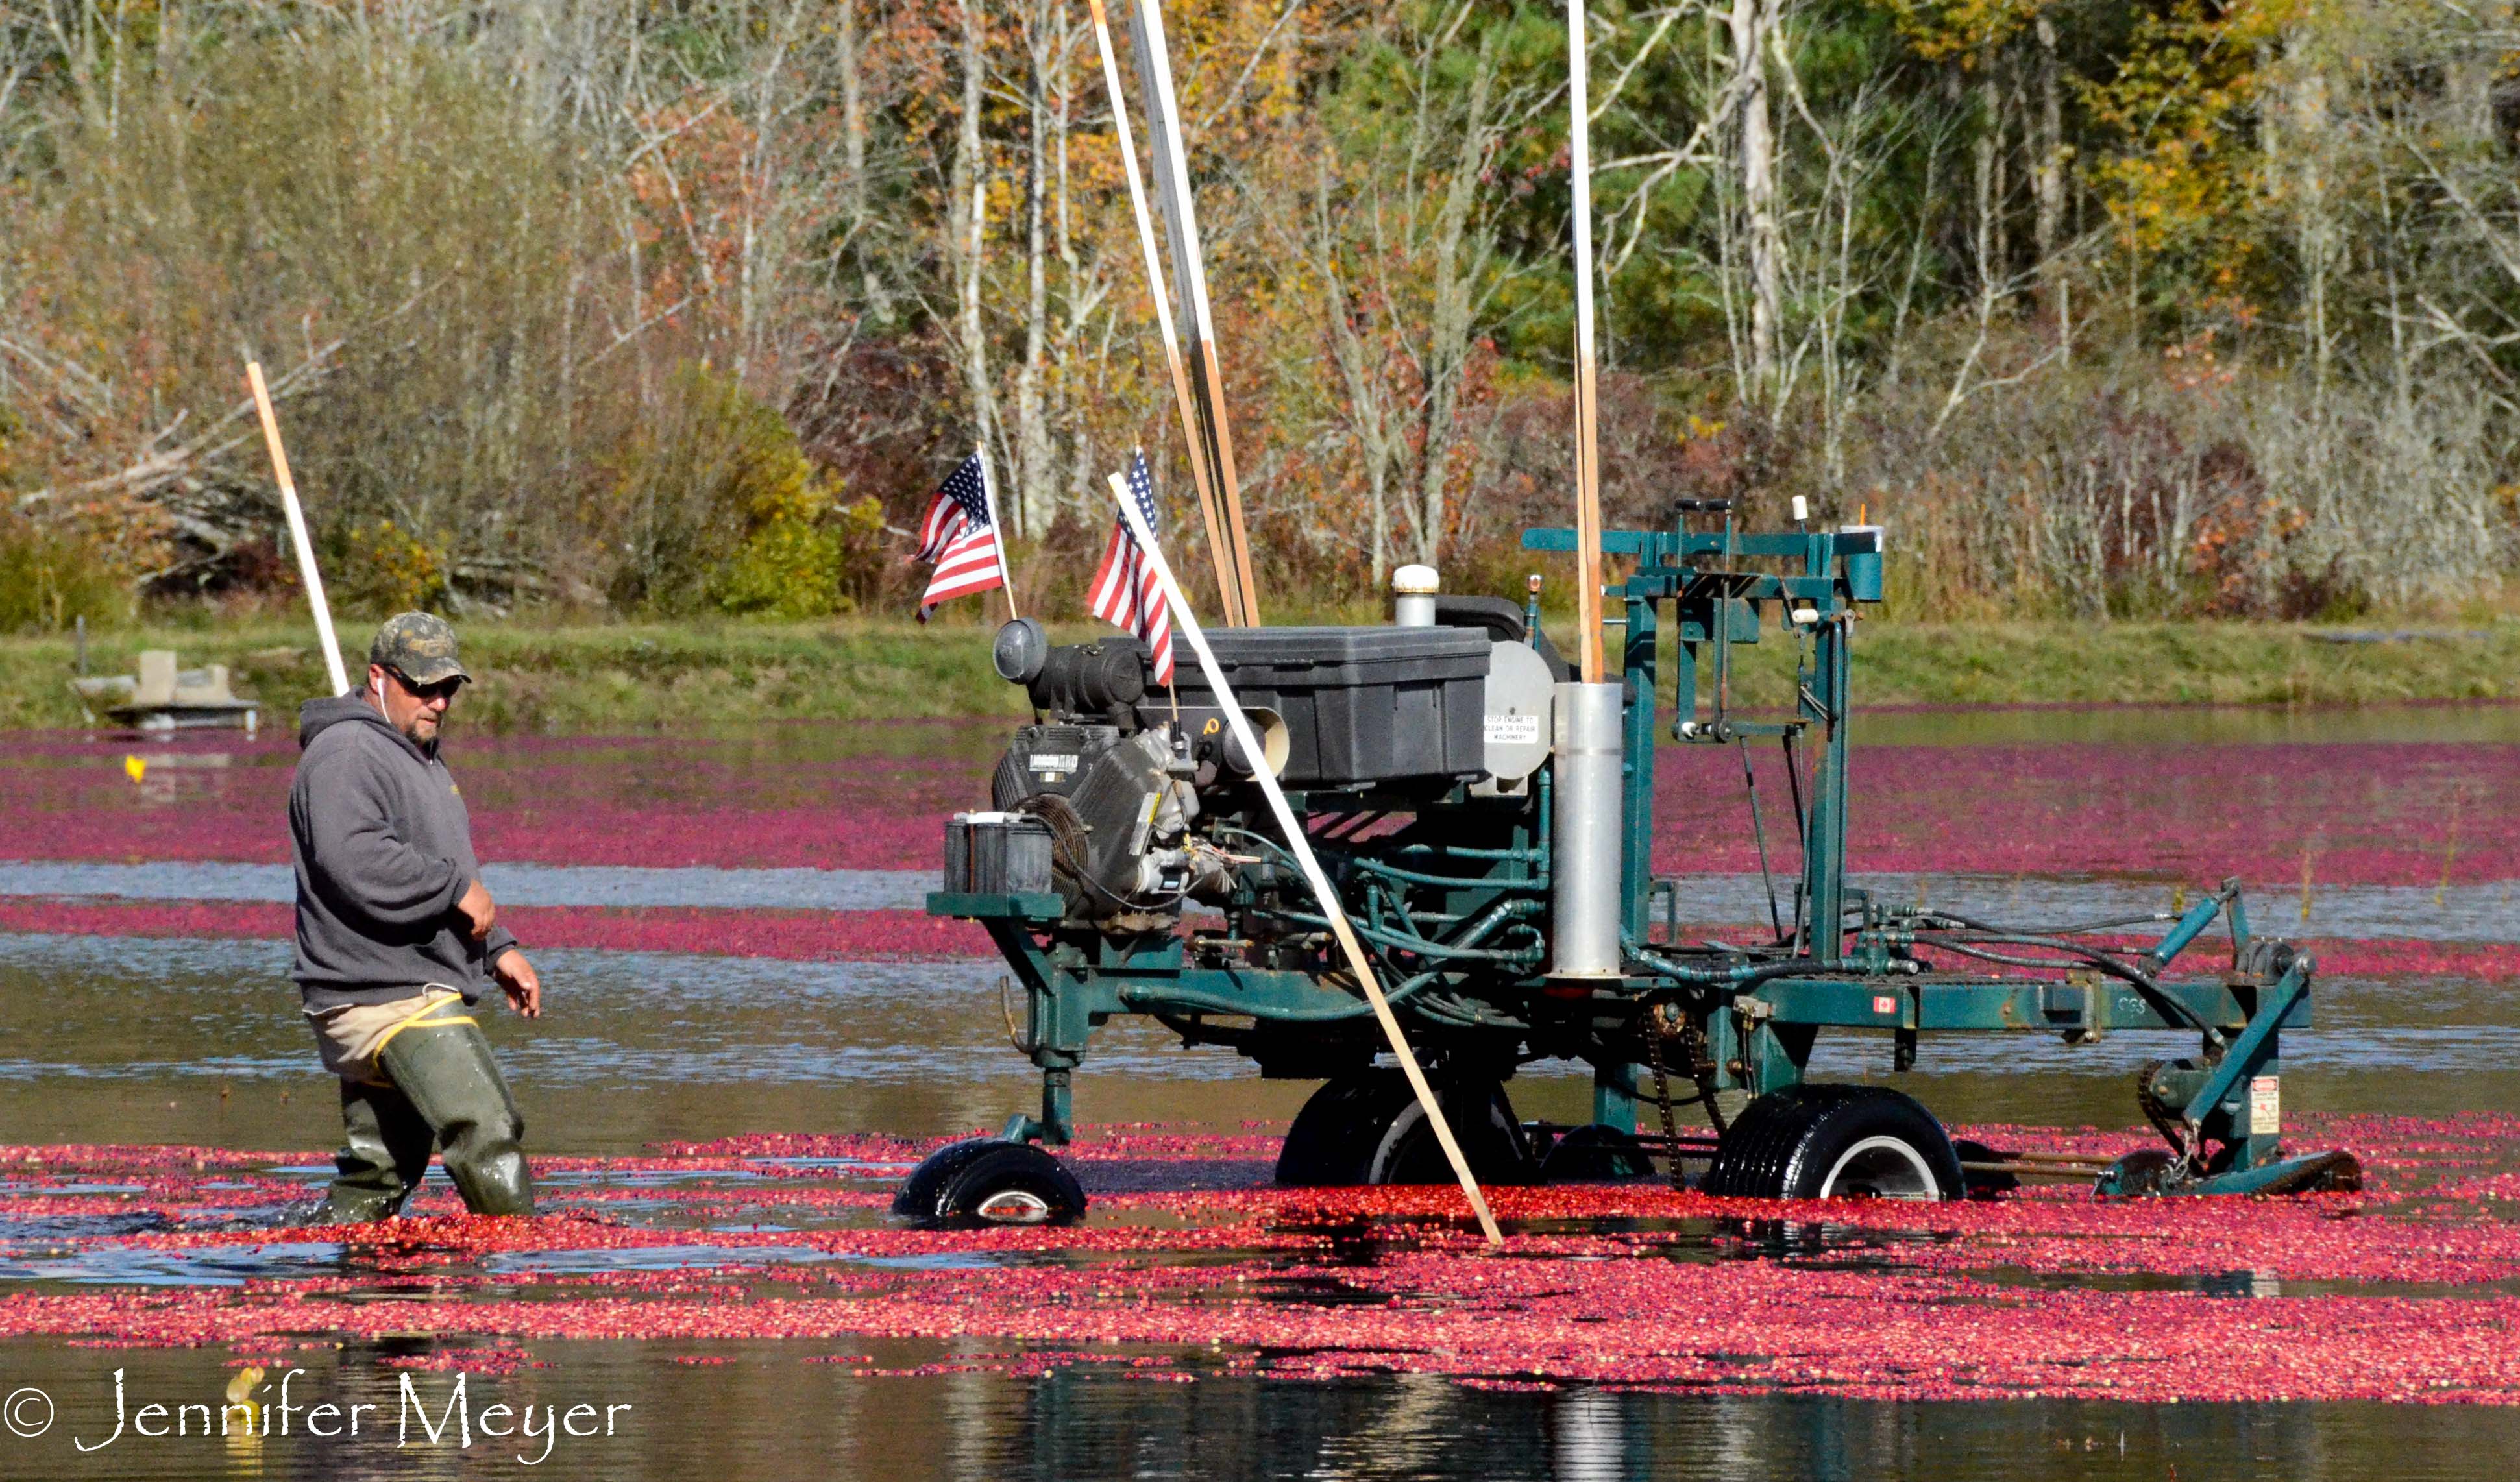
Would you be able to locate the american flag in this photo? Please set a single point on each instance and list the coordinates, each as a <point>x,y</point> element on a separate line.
<point>959,539</point>
<point>1126,592</point>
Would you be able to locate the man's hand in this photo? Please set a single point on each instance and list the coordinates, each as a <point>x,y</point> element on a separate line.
<point>520,982</point>
<point>478,909</point>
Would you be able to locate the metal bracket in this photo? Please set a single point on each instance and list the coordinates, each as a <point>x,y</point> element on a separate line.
<point>2242,1059</point>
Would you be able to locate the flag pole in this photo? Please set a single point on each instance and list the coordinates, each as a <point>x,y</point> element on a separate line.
<point>1301,846</point>
<point>1588,442</point>
<point>997,531</point>
<point>1181,219</point>
<point>313,578</point>
<point>1226,591</point>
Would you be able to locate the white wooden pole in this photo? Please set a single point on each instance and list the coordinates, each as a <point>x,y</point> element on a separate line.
<point>997,531</point>
<point>1588,440</point>
<point>1358,963</point>
<point>1210,513</point>
<point>306,571</point>
<point>1198,325</point>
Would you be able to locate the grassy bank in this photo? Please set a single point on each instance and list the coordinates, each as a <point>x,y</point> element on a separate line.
<point>627,677</point>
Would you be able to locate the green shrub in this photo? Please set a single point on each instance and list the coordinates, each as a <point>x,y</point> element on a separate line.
<point>724,512</point>
<point>376,568</point>
<point>50,577</point>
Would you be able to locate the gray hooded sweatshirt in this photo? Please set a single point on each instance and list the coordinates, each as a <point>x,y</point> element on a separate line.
<point>383,850</point>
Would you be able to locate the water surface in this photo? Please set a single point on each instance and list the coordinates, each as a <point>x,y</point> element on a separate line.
<point>185,1041</point>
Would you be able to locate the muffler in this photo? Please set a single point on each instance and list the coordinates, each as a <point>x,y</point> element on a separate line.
<point>1584,832</point>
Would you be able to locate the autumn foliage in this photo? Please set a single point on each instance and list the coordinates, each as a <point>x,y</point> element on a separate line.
<point>2168,308</point>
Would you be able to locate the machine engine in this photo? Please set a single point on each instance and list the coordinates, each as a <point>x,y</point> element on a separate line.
<point>1479,817</point>
<point>1117,794</point>
<point>1127,781</point>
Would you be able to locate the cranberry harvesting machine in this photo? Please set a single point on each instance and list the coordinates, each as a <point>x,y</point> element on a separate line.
<point>1488,824</point>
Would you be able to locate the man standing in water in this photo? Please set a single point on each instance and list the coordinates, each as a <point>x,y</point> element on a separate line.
<point>396,934</point>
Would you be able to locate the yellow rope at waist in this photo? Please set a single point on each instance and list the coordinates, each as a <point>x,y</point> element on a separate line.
<point>427,1018</point>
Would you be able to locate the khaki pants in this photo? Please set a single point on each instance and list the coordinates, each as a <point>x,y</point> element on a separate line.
<point>350,1036</point>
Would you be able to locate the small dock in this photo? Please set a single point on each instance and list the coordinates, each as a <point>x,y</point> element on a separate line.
<point>162,696</point>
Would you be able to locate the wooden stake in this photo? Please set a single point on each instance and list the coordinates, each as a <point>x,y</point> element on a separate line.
<point>1229,590</point>
<point>1212,384</point>
<point>997,530</point>
<point>306,571</point>
<point>1181,222</point>
<point>1301,846</point>
<point>1588,434</point>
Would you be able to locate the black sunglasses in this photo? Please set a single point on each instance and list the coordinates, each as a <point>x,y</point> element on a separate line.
<point>444,688</point>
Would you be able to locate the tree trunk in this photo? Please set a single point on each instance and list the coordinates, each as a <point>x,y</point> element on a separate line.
<point>854,204</point>
<point>1081,295</point>
<point>1037,488</point>
<point>1990,129</point>
<point>2047,179</point>
<point>1369,416</point>
<point>1750,21</point>
<point>966,227</point>
<point>1448,346</point>
<point>853,123</point>
<point>2004,105</point>
<point>2303,135</point>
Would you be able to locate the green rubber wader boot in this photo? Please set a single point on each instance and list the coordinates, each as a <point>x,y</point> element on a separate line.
<point>448,1073</point>
<point>384,1151</point>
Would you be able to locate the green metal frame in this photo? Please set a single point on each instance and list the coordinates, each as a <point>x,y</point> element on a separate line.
<point>1456,903</point>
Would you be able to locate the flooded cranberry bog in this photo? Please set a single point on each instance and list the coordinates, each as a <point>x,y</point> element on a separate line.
<point>753,1033</point>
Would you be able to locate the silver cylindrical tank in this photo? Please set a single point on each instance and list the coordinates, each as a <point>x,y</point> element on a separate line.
<point>1412,597</point>
<point>1583,911</point>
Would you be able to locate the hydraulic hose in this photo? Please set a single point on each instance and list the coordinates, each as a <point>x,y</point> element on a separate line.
<point>1182,998</point>
<point>1739,978</point>
<point>2144,986</point>
<point>1970,924</point>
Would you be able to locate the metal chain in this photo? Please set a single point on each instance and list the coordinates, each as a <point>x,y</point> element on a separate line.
<point>1662,1094</point>
<point>1701,1069</point>
<point>2167,1120</point>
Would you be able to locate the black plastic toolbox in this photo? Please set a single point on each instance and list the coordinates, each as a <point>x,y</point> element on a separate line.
<point>997,854</point>
<point>1362,705</point>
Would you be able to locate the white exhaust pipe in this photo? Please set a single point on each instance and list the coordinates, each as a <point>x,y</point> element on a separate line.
<point>1584,829</point>
<point>1412,597</point>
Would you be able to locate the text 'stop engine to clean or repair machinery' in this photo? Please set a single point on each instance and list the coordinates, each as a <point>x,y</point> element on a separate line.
<point>1488,825</point>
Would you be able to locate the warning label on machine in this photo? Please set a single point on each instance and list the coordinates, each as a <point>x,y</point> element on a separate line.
<point>1513,730</point>
<point>2266,1106</point>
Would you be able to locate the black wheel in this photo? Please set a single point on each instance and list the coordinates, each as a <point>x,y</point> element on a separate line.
<point>1010,1184</point>
<point>1325,1146</point>
<point>1596,1154</point>
<point>1368,1128</point>
<point>1835,1143</point>
<point>916,1197</point>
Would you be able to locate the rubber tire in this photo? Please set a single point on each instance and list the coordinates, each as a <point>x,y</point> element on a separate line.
<point>1008,1168</point>
<point>917,1194</point>
<point>1784,1144</point>
<point>1322,1148</point>
<point>1368,1128</point>
<point>1596,1153</point>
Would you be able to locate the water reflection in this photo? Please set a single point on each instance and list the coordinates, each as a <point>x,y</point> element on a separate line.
<point>771,1409</point>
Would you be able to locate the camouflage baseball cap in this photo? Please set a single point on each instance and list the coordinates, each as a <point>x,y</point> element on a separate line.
<point>419,647</point>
